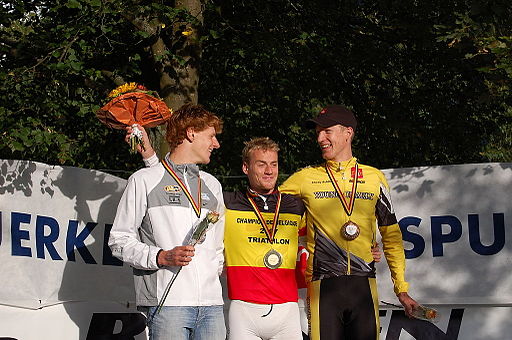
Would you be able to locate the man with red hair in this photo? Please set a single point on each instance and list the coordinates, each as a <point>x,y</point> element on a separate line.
<point>153,224</point>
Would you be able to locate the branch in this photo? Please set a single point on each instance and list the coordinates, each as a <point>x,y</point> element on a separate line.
<point>118,80</point>
<point>140,24</point>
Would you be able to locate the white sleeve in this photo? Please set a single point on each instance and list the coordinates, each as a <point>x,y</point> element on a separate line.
<point>124,238</point>
<point>151,161</point>
<point>219,231</point>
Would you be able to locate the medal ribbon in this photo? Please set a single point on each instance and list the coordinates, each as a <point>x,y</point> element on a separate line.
<point>196,206</point>
<point>348,207</point>
<point>268,231</point>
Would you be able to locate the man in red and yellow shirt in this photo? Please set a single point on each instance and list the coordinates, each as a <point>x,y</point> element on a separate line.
<point>260,245</point>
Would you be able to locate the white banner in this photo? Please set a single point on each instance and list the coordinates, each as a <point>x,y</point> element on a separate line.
<point>59,280</point>
<point>54,228</point>
<point>454,221</point>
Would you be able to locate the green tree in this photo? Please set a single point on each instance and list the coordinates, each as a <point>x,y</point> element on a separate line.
<point>418,101</point>
<point>265,67</point>
<point>60,58</point>
<point>484,34</point>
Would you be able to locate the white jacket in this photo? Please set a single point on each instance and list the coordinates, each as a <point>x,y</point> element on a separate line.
<point>155,214</point>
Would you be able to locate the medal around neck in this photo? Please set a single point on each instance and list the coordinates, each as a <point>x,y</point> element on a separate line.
<point>350,231</point>
<point>272,259</point>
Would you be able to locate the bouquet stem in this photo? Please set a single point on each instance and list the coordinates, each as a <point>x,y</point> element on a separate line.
<point>197,236</point>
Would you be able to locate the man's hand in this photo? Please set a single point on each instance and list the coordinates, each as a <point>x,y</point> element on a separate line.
<point>376,253</point>
<point>148,149</point>
<point>408,302</point>
<point>178,256</point>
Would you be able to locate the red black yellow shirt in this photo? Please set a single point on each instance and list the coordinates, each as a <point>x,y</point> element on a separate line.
<point>245,246</point>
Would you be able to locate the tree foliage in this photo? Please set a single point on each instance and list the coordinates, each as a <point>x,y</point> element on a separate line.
<point>61,58</point>
<point>429,82</point>
<point>484,33</point>
<point>418,101</point>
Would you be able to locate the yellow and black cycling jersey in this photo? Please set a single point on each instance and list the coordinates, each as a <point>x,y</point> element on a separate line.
<point>333,255</point>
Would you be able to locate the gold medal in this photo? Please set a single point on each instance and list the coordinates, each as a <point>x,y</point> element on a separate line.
<point>272,259</point>
<point>350,231</point>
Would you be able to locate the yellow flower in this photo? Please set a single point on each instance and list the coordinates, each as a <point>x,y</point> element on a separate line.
<point>187,32</point>
<point>122,89</point>
<point>212,216</point>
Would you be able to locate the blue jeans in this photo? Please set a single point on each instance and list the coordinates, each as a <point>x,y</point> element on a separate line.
<point>187,323</point>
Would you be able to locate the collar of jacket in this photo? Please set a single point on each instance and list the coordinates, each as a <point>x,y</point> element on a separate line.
<point>191,169</point>
<point>253,193</point>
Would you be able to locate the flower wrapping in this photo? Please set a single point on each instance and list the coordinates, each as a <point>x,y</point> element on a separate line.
<point>425,313</point>
<point>134,108</point>
<point>132,104</point>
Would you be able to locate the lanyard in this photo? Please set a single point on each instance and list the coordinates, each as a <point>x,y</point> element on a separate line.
<point>347,206</point>
<point>269,231</point>
<point>195,205</point>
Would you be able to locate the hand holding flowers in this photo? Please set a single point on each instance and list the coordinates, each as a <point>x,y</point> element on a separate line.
<point>132,104</point>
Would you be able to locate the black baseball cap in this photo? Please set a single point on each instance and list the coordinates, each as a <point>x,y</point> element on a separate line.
<point>332,115</point>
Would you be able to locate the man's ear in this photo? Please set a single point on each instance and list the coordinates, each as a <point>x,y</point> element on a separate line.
<point>351,132</point>
<point>245,168</point>
<point>190,134</point>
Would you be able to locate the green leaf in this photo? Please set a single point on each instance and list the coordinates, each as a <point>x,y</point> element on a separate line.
<point>16,146</point>
<point>214,34</point>
<point>77,66</point>
<point>74,4</point>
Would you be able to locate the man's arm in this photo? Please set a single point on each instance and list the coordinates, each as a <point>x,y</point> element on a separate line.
<point>124,238</point>
<point>393,248</point>
<point>408,302</point>
<point>178,256</point>
<point>293,185</point>
<point>219,231</point>
<point>376,253</point>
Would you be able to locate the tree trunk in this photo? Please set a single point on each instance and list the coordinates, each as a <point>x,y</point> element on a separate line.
<point>179,76</point>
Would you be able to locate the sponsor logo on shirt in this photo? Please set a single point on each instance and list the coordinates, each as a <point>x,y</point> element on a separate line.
<point>173,194</point>
<point>333,194</point>
<point>359,172</point>
<point>174,199</point>
<point>172,189</point>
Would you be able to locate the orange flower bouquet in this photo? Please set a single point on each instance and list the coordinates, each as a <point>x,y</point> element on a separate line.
<point>131,104</point>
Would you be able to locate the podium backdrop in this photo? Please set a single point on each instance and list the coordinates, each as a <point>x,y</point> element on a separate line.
<point>60,281</point>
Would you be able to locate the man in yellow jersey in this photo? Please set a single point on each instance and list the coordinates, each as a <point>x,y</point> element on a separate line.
<point>345,204</point>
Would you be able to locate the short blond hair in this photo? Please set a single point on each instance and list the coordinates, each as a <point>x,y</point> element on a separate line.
<point>258,143</point>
